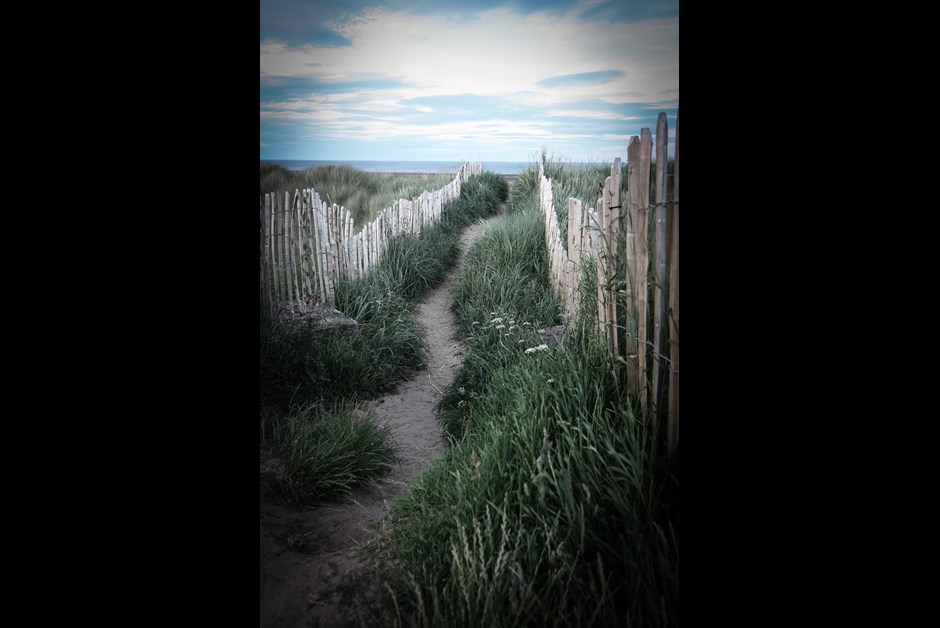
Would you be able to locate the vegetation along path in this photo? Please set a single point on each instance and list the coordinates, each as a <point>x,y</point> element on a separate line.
<point>306,553</point>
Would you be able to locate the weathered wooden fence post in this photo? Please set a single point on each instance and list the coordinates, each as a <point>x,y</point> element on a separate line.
<point>638,171</point>
<point>601,258</point>
<point>574,254</point>
<point>612,213</point>
<point>304,240</point>
<point>662,169</point>
<point>631,288</point>
<point>673,432</point>
<point>267,265</point>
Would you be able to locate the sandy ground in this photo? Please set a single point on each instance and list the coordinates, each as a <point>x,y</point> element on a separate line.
<point>305,553</point>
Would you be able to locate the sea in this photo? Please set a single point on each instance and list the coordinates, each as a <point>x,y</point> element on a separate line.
<point>421,167</point>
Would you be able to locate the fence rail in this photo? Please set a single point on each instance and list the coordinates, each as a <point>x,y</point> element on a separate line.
<point>635,250</point>
<point>308,245</point>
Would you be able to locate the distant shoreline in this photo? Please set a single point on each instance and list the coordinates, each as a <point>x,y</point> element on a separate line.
<point>403,167</point>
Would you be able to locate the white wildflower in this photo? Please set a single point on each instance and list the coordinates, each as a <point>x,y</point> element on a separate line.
<point>538,348</point>
<point>500,327</point>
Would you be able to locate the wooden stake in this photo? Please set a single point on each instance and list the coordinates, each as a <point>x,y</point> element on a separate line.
<point>612,199</point>
<point>662,168</point>
<point>305,249</point>
<point>673,432</point>
<point>601,266</point>
<point>642,261</point>
<point>268,250</point>
<point>574,253</point>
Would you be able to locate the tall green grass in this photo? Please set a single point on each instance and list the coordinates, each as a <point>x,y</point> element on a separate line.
<point>585,183</point>
<point>364,194</point>
<point>552,506</point>
<point>582,182</point>
<point>326,451</point>
<point>501,298</point>
<point>316,369</point>
<point>316,366</point>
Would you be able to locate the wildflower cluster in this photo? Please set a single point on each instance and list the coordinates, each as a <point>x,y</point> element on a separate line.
<point>511,331</point>
<point>536,349</point>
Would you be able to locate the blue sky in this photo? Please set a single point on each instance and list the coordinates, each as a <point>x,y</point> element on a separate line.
<point>488,80</point>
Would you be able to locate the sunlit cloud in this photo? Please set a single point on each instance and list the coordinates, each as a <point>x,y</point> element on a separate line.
<point>509,75</point>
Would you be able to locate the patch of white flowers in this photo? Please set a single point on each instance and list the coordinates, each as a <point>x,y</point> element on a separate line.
<point>509,330</point>
<point>536,349</point>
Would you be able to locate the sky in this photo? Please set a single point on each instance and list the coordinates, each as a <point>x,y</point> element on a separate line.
<point>470,80</point>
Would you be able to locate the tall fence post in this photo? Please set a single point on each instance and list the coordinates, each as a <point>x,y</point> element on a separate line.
<point>631,288</point>
<point>638,187</point>
<point>601,257</point>
<point>281,248</point>
<point>673,431</point>
<point>612,214</point>
<point>662,169</point>
<point>267,261</point>
<point>305,256</point>
<point>574,254</point>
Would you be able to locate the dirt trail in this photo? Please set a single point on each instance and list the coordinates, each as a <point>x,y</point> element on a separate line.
<point>306,552</point>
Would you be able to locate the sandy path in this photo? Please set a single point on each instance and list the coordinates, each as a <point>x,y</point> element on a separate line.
<point>306,552</point>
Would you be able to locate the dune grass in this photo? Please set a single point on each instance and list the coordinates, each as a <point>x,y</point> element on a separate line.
<point>552,505</point>
<point>310,373</point>
<point>501,299</point>
<point>326,451</point>
<point>364,194</point>
<point>572,181</point>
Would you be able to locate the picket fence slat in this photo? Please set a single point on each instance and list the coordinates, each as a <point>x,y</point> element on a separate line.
<point>673,430</point>
<point>268,253</point>
<point>662,166</point>
<point>642,261</point>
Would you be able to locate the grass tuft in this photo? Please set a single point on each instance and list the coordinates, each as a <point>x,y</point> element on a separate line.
<point>327,451</point>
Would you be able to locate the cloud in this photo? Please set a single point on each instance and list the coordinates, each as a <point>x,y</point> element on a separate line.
<point>275,88</point>
<point>620,10</point>
<point>510,75</point>
<point>584,78</point>
<point>306,22</point>
<point>312,22</point>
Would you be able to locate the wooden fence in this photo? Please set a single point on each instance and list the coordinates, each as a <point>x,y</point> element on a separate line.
<point>636,254</point>
<point>307,244</point>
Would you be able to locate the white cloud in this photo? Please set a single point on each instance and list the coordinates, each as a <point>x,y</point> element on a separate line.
<point>589,113</point>
<point>499,53</point>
